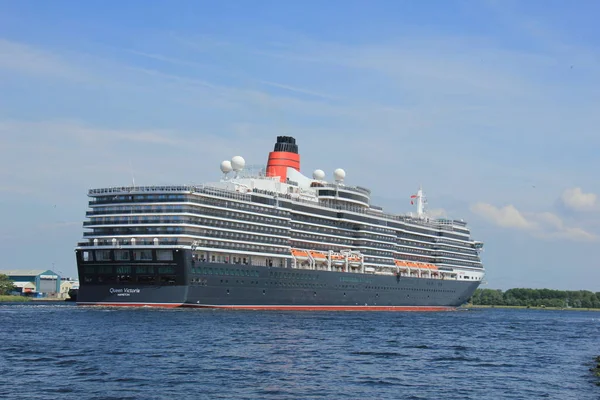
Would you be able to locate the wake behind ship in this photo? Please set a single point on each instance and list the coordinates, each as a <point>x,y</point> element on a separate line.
<point>271,239</point>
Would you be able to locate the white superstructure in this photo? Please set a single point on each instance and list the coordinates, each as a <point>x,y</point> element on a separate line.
<point>252,216</point>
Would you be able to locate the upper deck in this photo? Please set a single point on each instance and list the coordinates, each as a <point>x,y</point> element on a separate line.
<point>126,194</point>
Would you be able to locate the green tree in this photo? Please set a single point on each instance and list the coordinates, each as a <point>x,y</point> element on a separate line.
<point>6,285</point>
<point>537,298</point>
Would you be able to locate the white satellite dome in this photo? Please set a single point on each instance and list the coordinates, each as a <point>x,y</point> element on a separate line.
<point>339,174</point>
<point>226,166</point>
<point>318,175</point>
<point>238,163</point>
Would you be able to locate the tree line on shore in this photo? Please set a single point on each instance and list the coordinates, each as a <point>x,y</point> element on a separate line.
<point>536,298</point>
<point>6,285</point>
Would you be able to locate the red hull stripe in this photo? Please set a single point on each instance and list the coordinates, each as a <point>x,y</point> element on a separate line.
<point>328,308</point>
<point>275,307</point>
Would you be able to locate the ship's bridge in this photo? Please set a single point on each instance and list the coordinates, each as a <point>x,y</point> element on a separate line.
<point>351,195</point>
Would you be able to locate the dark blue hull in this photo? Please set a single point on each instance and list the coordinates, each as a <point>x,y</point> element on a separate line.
<point>203,284</point>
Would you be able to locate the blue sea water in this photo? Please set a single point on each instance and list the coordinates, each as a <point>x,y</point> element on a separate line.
<point>70,352</point>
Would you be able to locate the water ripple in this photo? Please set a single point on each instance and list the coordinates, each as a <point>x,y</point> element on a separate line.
<point>104,353</point>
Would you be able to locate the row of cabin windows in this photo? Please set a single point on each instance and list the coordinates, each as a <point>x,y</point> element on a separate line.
<point>187,220</point>
<point>369,235</point>
<point>463,250</point>
<point>452,235</point>
<point>237,205</point>
<point>402,235</point>
<point>373,229</point>
<point>293,275</point>
<point>226,258</point>
<point>129,269</point>
<point>458,256</point>
<point>389,246</point>
<point>379,261</point>
<point>297,284</point>
<point>355,279</point>
<point>320,229</point>
<point>319,238</point>
<point>409,289</point>
<point>416,258</point>
<point>323,221</point>
<point>460,263</point>
<point>223,234</point>
<point>143,279</point>
<point>240,246</point>
<point>225,271</point>
<point>140,241</point>
<point>455,243</point>
<point>379,253</point>
<point>413,251</point>
<point>189,198</point>
<point>415,244</point>
<point>200,211</point>
<point>242,236</point>
<point>127,255</point>
<point>316,246</point>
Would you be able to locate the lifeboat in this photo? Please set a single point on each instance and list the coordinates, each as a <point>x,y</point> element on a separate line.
<point>318,256</point>
<point>413,267</point>
<point>401,264</point>
<point>434,270</point>
<point>337,259</point>
<point>354,260</point>
<point>300,254</point>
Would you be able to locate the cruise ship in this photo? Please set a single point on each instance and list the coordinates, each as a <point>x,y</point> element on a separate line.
<point>271,238</point>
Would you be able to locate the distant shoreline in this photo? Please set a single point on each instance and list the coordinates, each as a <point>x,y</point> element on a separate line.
<point>14,299</point>
<point>466,306</point>
<point>25,299</point>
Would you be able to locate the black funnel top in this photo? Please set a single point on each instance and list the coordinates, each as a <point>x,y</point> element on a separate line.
<point>286,143</point>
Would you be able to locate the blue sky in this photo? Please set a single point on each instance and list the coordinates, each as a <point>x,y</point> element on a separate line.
<point>491,105</point>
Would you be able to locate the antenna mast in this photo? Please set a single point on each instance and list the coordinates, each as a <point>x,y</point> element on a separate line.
<point>421,201</point>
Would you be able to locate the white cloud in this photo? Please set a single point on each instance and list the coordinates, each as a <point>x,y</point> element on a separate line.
<point>506,217</point>
<point>544,225</point>
<point>575,199</point>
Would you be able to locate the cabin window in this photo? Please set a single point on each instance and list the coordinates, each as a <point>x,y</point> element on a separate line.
<point>142,255</point>
<point>166,270</point>
<point>144,269</point>
<point>121,255</point>
<point>164,255</point>
<point>102,255</point>
<point>87,256</point>
<point>104,269</point>
<point>124,269</point>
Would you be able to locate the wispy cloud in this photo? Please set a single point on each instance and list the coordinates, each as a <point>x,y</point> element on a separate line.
<point>544,225</point>
<point>23,59</point>
<point>426,100</point>
<point>72,130</point>
<point>300,90</point>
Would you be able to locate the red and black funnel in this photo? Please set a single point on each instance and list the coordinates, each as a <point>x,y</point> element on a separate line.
<point>283,156</point>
